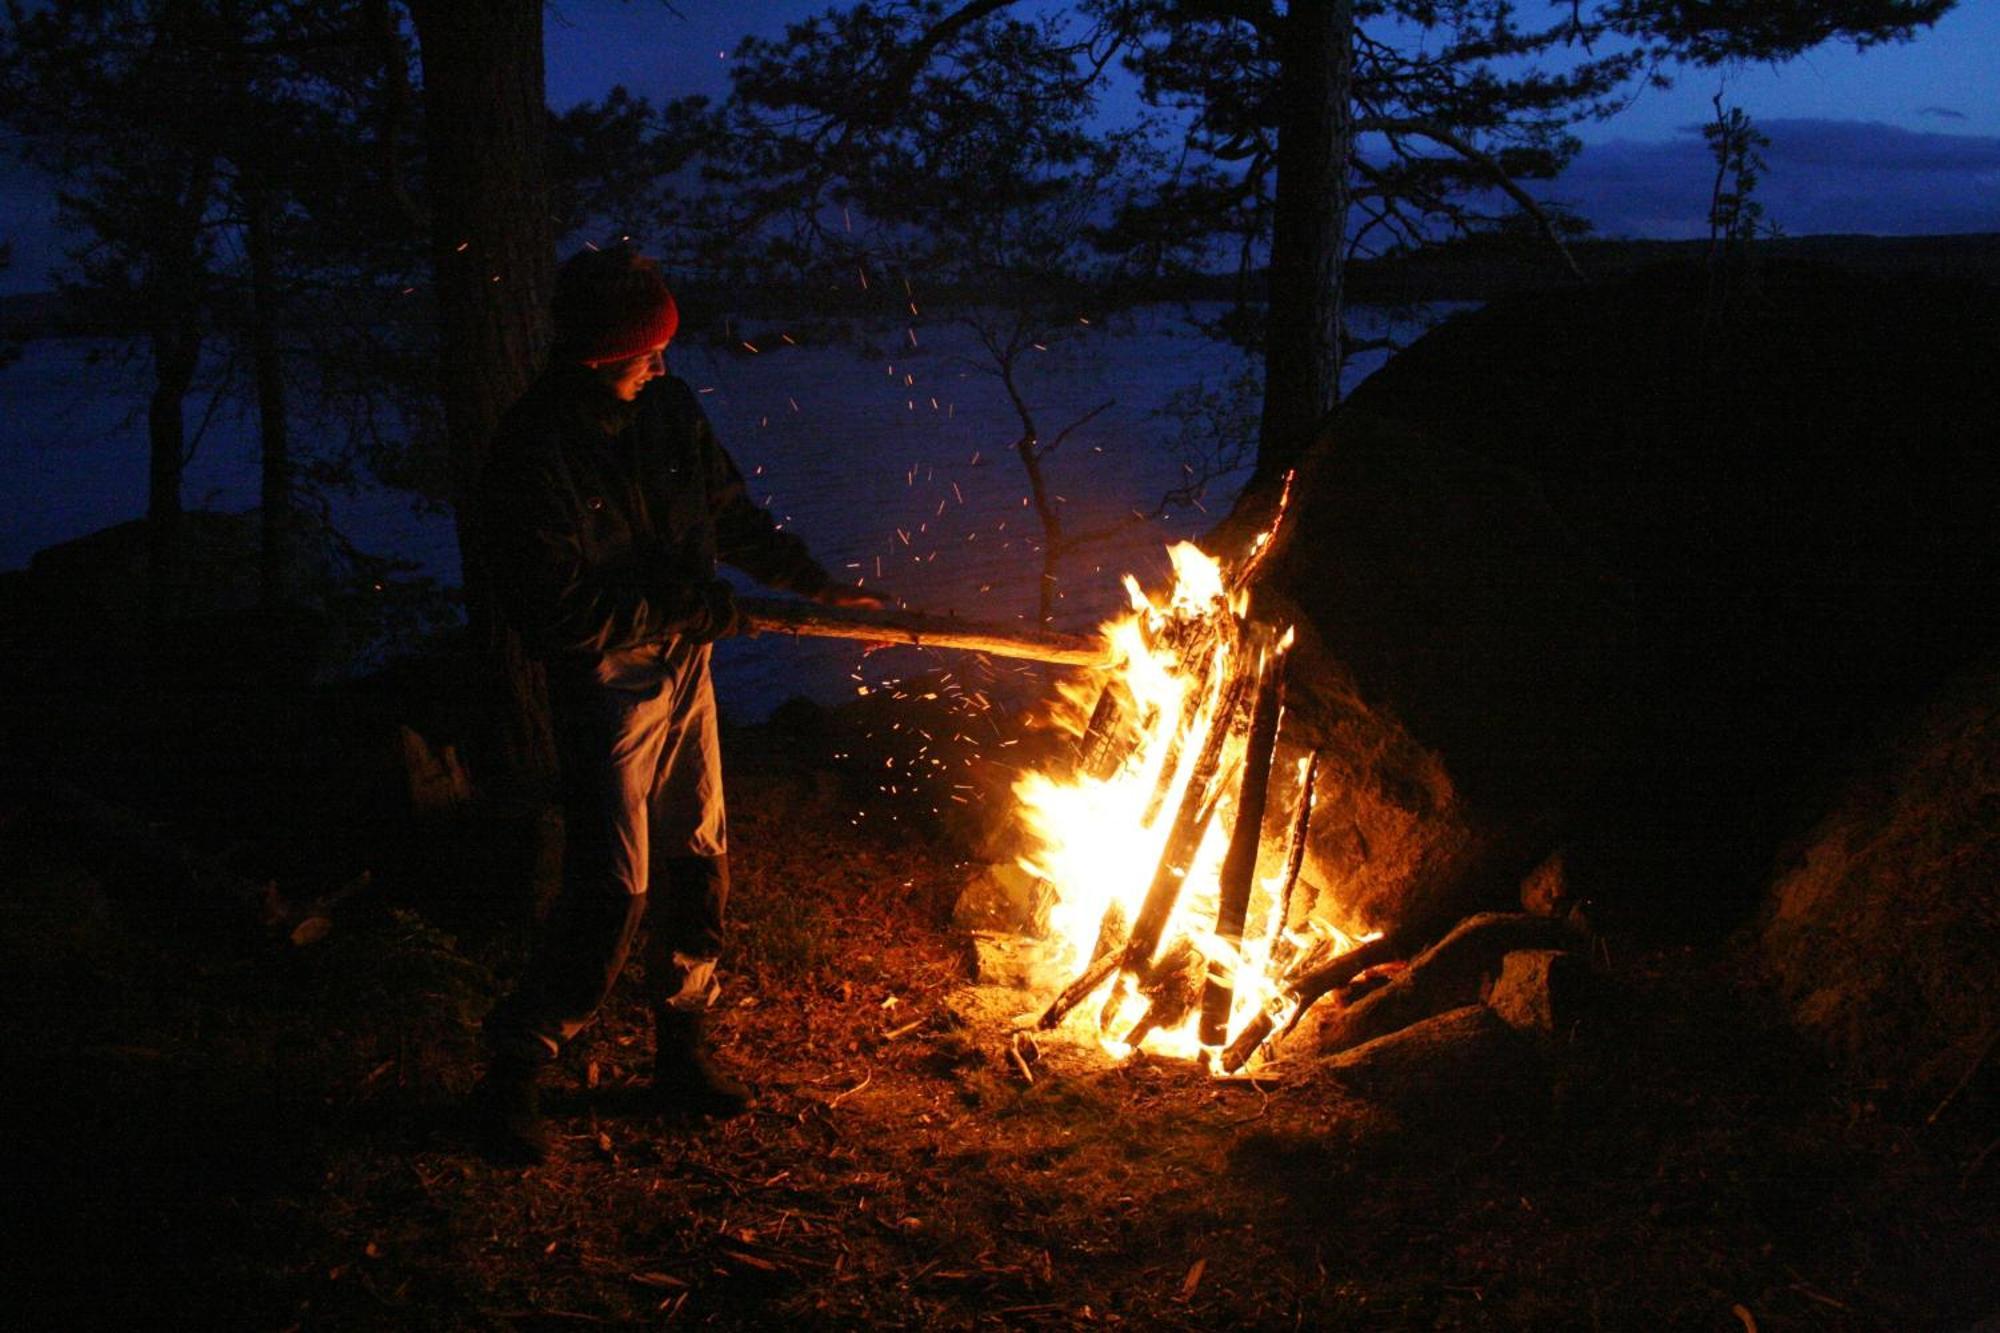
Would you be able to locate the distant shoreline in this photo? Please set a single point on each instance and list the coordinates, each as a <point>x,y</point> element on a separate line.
<point>1482,270</point>
<point>1475,270</point>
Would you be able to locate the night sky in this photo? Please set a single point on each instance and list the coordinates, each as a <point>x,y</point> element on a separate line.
<point>1901,139</point>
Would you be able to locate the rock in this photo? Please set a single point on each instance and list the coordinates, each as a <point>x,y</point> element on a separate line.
<point>996,898</point>
<point>1631,597</point>
<point>1881,933</point>
<point>1453,667</point>
<point>1536,989</point>
<point>1006,960</point>
<point>1546,889</point>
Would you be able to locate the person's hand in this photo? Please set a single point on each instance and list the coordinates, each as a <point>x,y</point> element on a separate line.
<point>847,595</point>
<point>714,614</point>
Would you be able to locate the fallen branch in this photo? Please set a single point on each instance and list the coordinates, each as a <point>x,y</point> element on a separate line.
<point>1302,990</point>
<point>771,615</point>
<point>1338,971</point>
<point>1444,976</point>
<point>120,835</point>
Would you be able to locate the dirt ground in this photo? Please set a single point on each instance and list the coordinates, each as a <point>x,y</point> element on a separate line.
<point>206,1129</point>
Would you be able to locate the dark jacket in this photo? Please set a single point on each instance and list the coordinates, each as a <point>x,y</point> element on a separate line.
<point>602,521</point>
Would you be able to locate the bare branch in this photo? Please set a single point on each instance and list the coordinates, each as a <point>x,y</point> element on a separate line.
<point>1083,420</point>
<point>1471,152</point>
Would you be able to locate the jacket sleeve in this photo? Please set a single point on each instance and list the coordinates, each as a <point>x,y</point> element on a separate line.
<point>547,589</point>
<point>745,535</point>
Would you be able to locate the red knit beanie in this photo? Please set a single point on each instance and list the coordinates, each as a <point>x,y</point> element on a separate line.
<point>611,305</point>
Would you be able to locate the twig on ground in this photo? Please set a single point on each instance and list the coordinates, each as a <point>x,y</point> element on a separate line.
<point>1020,1061</point>
<point>866,1079</point>
<point>1959,1086</point>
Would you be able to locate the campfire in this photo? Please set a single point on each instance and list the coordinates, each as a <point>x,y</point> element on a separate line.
<point>1174,923</point>
<point>1173,907</point>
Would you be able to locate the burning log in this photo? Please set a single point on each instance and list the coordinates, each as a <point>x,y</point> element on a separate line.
<point>1184,838</point>
<point>1196,643</point>
<point>1104,745</point>
<point>1170,988</point>
<point>1301,989</point>
<point>1295,852</point>
<point>1105,741</point>
<point>770,615</point>
<point>1183,841</point>
<point>1112,932</point>
<point>1267,541</point>
<point>1078,991</point>
<point>1239,863</point>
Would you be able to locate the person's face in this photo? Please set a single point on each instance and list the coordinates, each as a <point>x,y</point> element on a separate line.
<point>626,378</point>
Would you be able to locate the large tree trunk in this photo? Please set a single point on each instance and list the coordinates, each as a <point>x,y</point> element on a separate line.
<point>174,355</point>
<point>274,546</point>
<point>1315,135</point>
<point>493,252</point>
<point>174,302</point>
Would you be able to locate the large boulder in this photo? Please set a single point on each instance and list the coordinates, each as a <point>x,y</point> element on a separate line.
<point>1626,570</point>
<point>1456,671</point>
<point>1881,936</point>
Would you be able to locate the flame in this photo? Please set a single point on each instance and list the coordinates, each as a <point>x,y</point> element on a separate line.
<point>1096,839</point>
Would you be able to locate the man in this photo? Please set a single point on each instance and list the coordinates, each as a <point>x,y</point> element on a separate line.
<point>606,504</point>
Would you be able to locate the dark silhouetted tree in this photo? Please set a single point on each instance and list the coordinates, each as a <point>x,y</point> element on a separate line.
<point>102,94</point>
<point>486,135</point>
<point>1299,130</point>
<point>207,153</point>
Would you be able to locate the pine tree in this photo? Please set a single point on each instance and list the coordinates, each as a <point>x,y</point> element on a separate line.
<point>1297,133</point>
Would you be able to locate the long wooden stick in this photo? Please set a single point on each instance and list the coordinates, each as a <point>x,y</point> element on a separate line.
<point>772,615</point>
<point>1239,863</point>
<point>1295,853</point>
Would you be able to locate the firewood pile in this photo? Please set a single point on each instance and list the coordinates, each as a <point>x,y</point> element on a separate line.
<point>1150,971</point>
<point>1524,963</point>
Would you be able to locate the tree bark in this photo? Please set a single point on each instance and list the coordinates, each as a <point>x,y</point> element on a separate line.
<point>275,490</point>
<point>493,261</point>
<point>1309,227</point>
<point>174,302</point>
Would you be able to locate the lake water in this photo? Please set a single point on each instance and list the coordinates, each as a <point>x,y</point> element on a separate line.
<point>897,467</point>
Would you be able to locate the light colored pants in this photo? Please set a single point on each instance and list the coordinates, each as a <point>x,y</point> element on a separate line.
<point>643,820</point>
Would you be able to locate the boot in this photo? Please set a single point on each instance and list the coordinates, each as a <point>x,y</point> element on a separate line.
<point>686,1079</point>
<point>507,1114</point>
